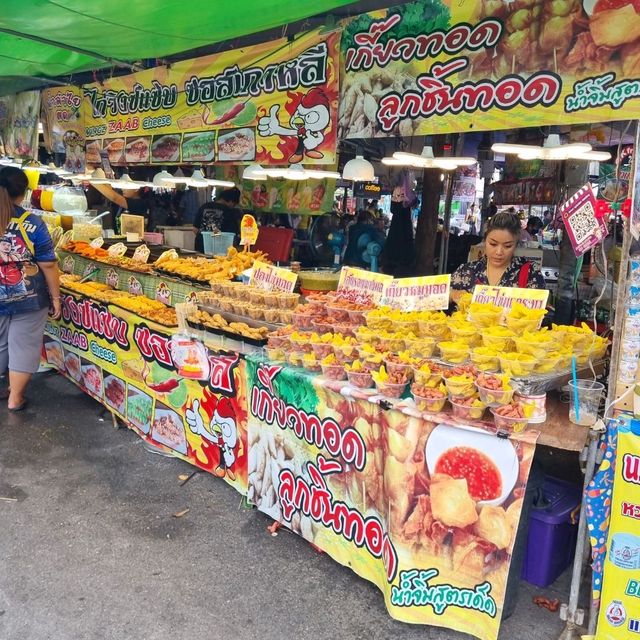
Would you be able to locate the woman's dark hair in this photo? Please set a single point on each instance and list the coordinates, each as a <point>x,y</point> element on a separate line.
<point>504,221</point>
<point>534,224</point>
<point>13,184</point>
<point>230,195</point>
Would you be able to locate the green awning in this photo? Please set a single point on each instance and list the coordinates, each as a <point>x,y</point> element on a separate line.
<point>127,30</point>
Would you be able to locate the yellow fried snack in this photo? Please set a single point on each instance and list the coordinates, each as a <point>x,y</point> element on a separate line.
<point>211,269</point>
<point>521,318</point>
<point>517,364</point>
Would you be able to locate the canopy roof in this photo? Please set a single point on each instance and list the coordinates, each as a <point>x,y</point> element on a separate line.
<point>49,38</point>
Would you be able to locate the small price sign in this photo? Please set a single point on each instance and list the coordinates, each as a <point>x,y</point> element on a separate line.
<point>142,253</point>
<point>117,250</point>
<point>96,243</point>
<point>248,230</point>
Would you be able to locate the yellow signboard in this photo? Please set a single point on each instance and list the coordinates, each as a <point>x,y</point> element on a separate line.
<point>619,617</point>
<point>273,103</point>
<point>248,230</point>
<point>272,278</point>
<point>365,283</point>
<point>439,66</point>
<point>505,296</point>
<point>418,294</point>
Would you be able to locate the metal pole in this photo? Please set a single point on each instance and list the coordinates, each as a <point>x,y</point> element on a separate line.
<point>575,616</point>
<point>444,244</point>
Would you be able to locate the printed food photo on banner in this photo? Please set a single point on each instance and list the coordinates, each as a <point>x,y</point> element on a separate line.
<point>115,393</point>
<point>239,144</point>
<point>115,150</point>
<point>91,378</point>
<point>54,353</point>
<point>165,148</point>
<point>199,147</point>
<point>92,154</point>
<point>139,408</point>
<point>167,428</point>
<point>72,366</point>
<point>136,150</point>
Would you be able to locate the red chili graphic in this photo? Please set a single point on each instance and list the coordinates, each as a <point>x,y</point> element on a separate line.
<point>226,116</point>
<point>165,386</point>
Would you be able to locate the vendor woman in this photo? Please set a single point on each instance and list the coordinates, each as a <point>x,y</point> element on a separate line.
<point>499,267</point>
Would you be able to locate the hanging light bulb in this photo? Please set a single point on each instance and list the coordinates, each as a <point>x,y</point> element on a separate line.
<point>253,172</point>
<point>162,180</point>
<point>125,182</point>
<point>358,170</point>
<point>426,160</point>
<point>318,174</point>
<point>593,156</point>
<point>296,172</point>
<point>552,149</point>
<point>98,177</point>
<point>199,181</point>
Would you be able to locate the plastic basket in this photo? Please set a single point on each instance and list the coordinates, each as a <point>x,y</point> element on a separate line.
<point>216,244</point>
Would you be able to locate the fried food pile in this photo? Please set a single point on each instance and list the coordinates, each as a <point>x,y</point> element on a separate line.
<point>140,305</point>
<point>216,321</point>
<point>211,269</point>
<point>102,255</point>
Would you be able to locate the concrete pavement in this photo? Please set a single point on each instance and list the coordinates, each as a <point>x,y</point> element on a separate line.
<point>90,550</point>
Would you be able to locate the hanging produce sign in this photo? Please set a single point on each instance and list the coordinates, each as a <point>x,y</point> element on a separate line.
<point>427,512</point>
<point>365,283</point>
<point>619,605</point>
<point>418,294</point>
<point>434,66</point>
<point>273,103</point>
<point>301,197</point>
<point>272,278</point>
<point>277,195</point>
<point>584,228</point>
<point>63,124</point>
<point>20,130</point>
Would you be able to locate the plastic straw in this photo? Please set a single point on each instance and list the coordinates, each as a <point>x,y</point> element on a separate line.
<point>574,375</point>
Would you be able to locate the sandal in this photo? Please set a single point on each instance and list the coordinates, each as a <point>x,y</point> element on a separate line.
<point>21,407</point>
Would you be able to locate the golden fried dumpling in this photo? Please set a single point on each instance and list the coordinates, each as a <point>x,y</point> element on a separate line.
<point>451,501</point>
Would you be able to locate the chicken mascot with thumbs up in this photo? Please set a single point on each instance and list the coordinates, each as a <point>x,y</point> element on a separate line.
<point>221,431</point>
<point>307,123</point>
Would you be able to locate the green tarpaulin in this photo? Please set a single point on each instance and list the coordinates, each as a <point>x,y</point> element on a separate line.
<point>126,30</point>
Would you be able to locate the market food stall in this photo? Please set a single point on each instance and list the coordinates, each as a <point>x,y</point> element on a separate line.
<point>365,429</point>
<point>389,433</point>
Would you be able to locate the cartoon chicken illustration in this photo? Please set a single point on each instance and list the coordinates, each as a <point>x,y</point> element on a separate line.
<point>221,431</point>
<point>307,123</point>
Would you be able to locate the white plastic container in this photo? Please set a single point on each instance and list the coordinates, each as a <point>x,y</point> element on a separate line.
<point>179,237</point>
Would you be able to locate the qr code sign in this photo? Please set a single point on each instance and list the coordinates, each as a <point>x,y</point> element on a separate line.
<point>583,223</point>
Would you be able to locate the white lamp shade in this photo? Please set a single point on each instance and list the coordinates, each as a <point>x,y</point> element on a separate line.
<point>98,176</point>
<point>162,180</point>
<point>296,172</point>
<point>253,172</point>
<point>358,170</point>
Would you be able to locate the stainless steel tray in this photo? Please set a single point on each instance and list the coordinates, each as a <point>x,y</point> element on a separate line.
<point>232,317</point>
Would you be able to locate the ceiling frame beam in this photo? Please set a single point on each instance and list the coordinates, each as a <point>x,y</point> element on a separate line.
<point>60,45</point>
